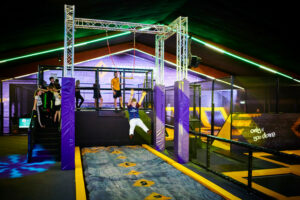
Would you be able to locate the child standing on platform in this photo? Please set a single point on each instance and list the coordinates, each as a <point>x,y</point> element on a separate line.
<point>115,86</point>
<point>134,118</point>
<point>78,95</point>
<point>97,95</point>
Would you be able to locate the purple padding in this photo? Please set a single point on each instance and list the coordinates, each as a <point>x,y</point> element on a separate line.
<point>181,121</point>
<point>68,124</point>
<point>159,119</point>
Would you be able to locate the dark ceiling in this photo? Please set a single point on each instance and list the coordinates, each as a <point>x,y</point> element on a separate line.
<point>261,29</point>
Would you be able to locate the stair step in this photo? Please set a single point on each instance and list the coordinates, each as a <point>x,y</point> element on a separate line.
<point>41,135</point>
<point>46,152</point>
<point>45,158</point>
<point>48,145</point>
<point>48,137</point>
<point>47,140</point>
<point>47,132</point>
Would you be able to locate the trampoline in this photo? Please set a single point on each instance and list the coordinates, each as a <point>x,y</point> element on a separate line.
<point>132,172</point>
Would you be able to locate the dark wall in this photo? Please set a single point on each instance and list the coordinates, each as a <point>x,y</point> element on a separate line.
<point>101,128</point>
<point>21,98</point>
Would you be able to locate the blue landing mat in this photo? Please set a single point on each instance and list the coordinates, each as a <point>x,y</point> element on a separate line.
<point>132,172</point>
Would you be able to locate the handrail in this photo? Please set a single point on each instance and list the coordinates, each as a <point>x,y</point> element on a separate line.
<point>128,89</point>
<point>250,148</point>
<point>31,131</point>
<point>243,144</point>
<point>112,69</point>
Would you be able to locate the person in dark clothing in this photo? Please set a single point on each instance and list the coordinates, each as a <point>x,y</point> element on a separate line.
<point>51,81</point>
<point>78,95</point>
<point>49,102</point>
<point>56,84</point>
<point>97,95</point>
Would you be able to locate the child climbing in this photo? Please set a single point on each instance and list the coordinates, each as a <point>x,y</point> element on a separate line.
<point>134,118</point>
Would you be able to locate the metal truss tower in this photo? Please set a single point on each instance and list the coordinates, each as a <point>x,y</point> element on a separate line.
<point>162,32</point>
<point>69,41</point>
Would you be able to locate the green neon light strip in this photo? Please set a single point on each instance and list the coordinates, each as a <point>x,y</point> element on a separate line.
<point>205,75</point>
<point>128,32</point>
<point>243,59</point>
<point>62,48</point>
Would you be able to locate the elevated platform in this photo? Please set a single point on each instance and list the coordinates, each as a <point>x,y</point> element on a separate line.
<point>101,128</point>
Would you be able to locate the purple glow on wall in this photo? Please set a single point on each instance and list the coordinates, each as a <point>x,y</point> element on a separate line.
<point>122,60</point>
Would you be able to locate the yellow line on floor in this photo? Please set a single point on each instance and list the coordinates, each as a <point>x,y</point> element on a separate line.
<point>241,177</point>
<point>210,185</point>
<point>79,181</point>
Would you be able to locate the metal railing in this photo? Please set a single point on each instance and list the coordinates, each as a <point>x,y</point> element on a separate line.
<point>31,135</point>
<point>147,86</point>
<point>251,148</point>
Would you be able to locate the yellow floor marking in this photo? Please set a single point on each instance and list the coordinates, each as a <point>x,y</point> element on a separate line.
<point>79,181</point>
<point>121,157</point>
<point>210,185</point>
<point>127,164</point>
<point>143,183</point>
<point>286,169</point>
<point>117,152</point>
<point>156,196</point>
<point>133,172</point>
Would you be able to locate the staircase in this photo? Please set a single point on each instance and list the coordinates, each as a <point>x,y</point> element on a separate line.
<point>43,143</point>
<point>46,144</point>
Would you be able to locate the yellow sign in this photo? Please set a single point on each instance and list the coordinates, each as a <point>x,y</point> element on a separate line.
<point>127,164</point>
<point>89,150</point>
<point>143,183</point>
<point>117,152</point>
<point>133,172</point>
<point>155,196</point>
<point>121,157</point>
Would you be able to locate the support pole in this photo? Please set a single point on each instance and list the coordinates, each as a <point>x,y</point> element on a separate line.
<point>181,120</point>
<point>69,41</point>
<point>199,108</point>
<point>123,89</point>
<point>212,121</point>
<point>98,88</point>
<point>67,123</point>
<point>231,107</point>
<point>159,119</point>
<point>194,102</point>
<point>146,86</point>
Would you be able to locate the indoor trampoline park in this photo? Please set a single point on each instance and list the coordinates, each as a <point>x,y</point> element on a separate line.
<point>149,100</point>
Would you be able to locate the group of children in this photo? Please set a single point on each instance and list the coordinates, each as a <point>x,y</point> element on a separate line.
<point>47,103</point>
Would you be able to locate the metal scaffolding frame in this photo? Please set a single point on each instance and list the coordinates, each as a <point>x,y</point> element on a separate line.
<point>69,41</point>
<point>162,32</point>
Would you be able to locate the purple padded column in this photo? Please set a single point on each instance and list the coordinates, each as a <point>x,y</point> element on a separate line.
<point>68,123</point>
<point>159,117</point>
<point>181,120</point>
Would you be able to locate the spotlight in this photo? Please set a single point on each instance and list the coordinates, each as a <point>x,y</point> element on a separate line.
<point>194,61</point>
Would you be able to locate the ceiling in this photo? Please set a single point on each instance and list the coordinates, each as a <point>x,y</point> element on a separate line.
<point>261,29</point>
